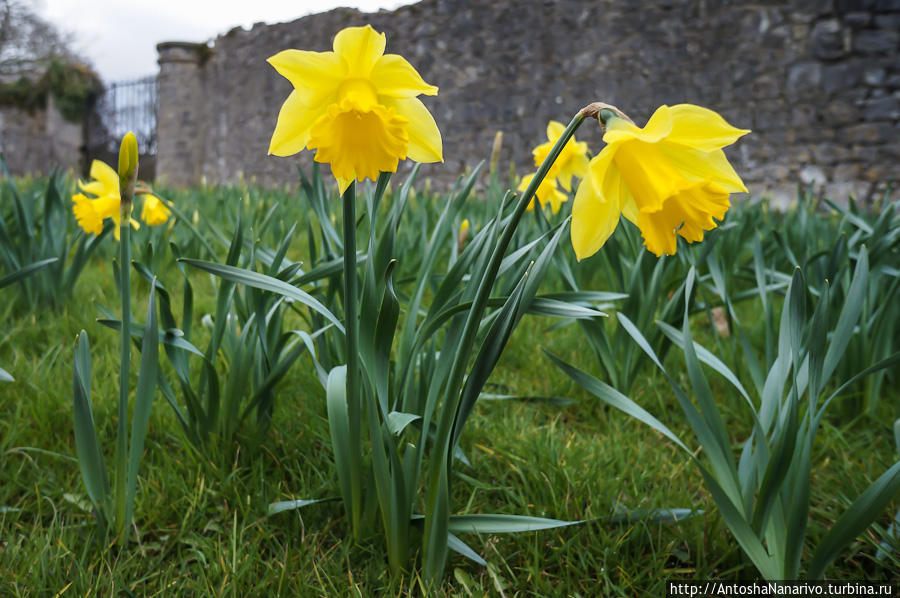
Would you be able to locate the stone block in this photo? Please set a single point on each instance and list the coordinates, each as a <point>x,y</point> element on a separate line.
<point>829,154</point>
<point>803,116</point>
<point>874,76</point>
<point>883,108</point>
<point>804,77</point>
<point>846,172</point>
<point>888,21</point>
<point>857,19</point>
<point>868,133</point>
<point>841,76</point>
<point>813,175</point>
<point>881,172</point>
<point>849,6</point>
<point>840,112</point>
<point>808,10</point>
<point>839,193</point>
<point>873,41</point>
<point>826,41</point>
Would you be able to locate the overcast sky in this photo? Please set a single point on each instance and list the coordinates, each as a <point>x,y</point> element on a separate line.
<point>119,36</point>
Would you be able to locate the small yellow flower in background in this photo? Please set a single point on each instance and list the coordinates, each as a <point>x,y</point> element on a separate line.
<point>154,211</point>
<point>463,234</point>
<point>356,106</point>
<point>90,212</point>
<point>547,193</point>
<point>670,178</point>
<point>572,160</point>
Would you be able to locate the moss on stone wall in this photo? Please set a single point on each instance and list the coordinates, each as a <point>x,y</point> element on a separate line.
<point>74,87</point>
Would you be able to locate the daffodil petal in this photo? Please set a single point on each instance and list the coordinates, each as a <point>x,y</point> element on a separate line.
<point>555,129</point>
<point>343,184</point>
<point>108,177</point>
<point>359,48</point>
<point>95,188</point>
<point>425,143</point>
<point>541,152</point>
<point>595,215</point>
<point>107,206</point>
<point>395,77</point>
<point>658,127</point>
<point>575,166</point>
<point>646,171</point>
<point>549,193</point>
<point>630,211</point>
<point>701,128</point>
<point>295,119</point>
<point>556,199</point>
<point>312,70</point>
<point>523,184</point>
<point>698,165</point>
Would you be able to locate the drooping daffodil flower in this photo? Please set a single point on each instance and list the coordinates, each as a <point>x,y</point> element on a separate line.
<point>670,178</point>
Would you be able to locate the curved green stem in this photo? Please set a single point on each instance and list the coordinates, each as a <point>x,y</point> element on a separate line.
<point>124,367</point>
<point>440,478</point>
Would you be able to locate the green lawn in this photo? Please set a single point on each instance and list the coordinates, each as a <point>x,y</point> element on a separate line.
<point>201,525</point>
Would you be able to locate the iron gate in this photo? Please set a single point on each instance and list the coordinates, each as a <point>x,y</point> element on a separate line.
<point>125,106</point>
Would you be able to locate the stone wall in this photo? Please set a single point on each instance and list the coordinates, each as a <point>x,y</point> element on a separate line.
<point>818,81</point>
<point>35,142</point>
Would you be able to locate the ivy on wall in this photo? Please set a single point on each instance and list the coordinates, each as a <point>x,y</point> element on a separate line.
<point>74,87</point>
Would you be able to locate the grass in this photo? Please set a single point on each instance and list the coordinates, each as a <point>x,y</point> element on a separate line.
<point>201,525</point>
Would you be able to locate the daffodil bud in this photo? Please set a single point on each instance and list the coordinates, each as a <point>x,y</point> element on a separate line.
<point>495,150</point>
<point>128,167</point>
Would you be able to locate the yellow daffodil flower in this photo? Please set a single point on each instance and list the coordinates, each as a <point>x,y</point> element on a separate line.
<point>154,211</point>
<point>670,178</point>
<point>547,193</point>
<point>572,161</point>
<point>356,106</point>
<point>90,212</point>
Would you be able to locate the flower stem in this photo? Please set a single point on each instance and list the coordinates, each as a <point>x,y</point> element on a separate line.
<point>481,296</point>
<point>351,327</point>
<point>124,366</point>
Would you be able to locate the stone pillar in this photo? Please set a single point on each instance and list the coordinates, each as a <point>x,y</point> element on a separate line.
<point>180,126</point>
